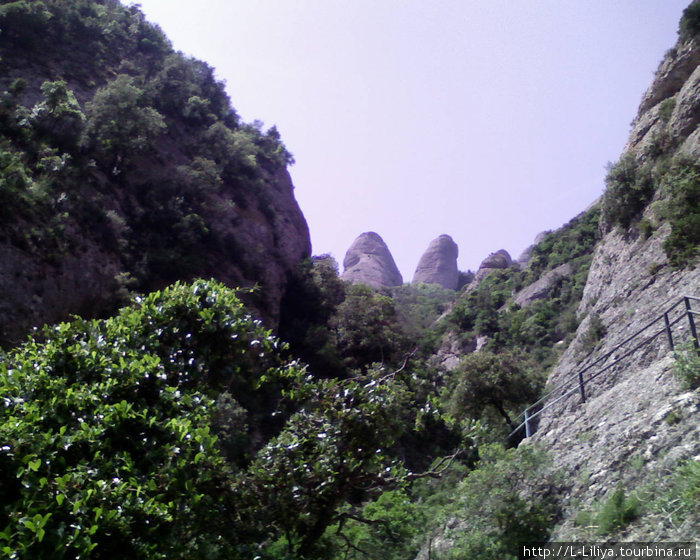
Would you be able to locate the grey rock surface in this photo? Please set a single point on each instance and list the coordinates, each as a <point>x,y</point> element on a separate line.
<point>369,261</point>
<point>541,288</point>
<point>438,265</point>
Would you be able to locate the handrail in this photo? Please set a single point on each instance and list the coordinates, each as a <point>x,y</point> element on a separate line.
<point>530,413</point>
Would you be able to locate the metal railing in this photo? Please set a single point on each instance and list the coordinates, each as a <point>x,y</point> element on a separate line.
<point>577,381</point>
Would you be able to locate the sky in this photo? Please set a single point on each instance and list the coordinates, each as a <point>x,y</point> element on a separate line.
<point>488,120</point>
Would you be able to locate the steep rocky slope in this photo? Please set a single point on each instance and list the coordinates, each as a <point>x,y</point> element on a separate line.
<point>638,423</point>
<point>125,168</point>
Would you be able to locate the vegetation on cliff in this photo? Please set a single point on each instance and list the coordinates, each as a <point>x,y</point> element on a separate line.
<point>133,149</point>
<point>181,427</point>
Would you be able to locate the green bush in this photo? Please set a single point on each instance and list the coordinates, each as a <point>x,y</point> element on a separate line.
<point>121,123</point>
<point>617,511</point>
<point>629,190</point>
<point>687,368</point>
<point>680,502</point>
<point>666,109</point>
<point>682,186</point>
<point>486,380</point>
<point>690,21</point>
<point>107,429</point>
<point>509,500</point>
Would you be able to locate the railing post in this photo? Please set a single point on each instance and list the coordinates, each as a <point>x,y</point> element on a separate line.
<point>528,433</point>
<point>668,331</point>
<point>691,320</point>
<point>580,386</point>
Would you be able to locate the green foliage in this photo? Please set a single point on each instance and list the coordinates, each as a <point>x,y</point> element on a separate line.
<point>107,428</point>
<point>23,22</point>
<point>629,188</point>
<point>310,301</point>
<point>690,21</point>
<point>418,307</point>
<point>680,501</point>
<point>58,117</point>
<point>687,368</point>
<point>508,500</point>
<point>331,452</point>
<point>366,329</point>
<point>485,379</point>
<point>178,429</point>
<point>682,186</point>
<point>594,333</point>
<point>121,123</point>
<point>666,109</point>
<point>391,527</point>
<point>617,511</point>
<point>569,244</point>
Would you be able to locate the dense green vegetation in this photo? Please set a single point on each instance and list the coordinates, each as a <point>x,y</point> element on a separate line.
<point>179,429</point>
<point>489,311</point>
<point>129,146</point>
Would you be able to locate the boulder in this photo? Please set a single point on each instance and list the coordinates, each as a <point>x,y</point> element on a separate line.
<point>438,265</point>
<point>499,259</point>
<point>541,288</point>
<point>369,261</point>
<point>495,261</point>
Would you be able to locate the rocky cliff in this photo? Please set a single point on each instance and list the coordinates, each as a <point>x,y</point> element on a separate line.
<point>369,261</point>
<point>638,424</point>
<point>438,264</point>
<point>127,169</point>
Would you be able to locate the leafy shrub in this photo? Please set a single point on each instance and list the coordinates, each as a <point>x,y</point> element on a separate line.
<point>594,333</point>
<point>666,109</point>
<point>58,117</point>
<point>681,500</point>
<point>687,368</point>
<point>617,511</point>
<point>484,379</point>
<point>107,429</point>
<point>682,184</point>
<point>120,121</point>
<point>690,21</point>
<point>508,500</point>
<point>629,190</point>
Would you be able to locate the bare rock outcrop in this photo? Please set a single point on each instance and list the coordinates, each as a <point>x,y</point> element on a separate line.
<point>369,261</point>
<point>438,265</point>
<point>495,261</point>
<point>541,288</point>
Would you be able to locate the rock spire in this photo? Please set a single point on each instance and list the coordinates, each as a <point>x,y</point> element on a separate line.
<point>438,265</point>
<point>369,261</point>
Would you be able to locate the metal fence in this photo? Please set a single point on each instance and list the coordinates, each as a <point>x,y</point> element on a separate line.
<point>680,311</point>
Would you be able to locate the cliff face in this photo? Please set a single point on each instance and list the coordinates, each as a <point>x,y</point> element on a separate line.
<point>126,169</point>
<point>638,424</point>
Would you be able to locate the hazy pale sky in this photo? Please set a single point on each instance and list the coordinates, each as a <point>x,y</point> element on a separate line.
<point>488,120</point>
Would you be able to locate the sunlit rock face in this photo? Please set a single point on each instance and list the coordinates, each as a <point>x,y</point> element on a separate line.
<point>438,265</point>
<point>369,261</point>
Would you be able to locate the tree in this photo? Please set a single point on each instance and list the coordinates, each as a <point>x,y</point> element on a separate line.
<point>108,429</point>
<point>58,117</point>
<point>366,328</point>
<point>485,379</point>
<point>121,123</point>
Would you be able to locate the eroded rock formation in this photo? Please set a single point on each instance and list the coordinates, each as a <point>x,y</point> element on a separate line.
<point>438,265</point>
<point>369,261</point>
